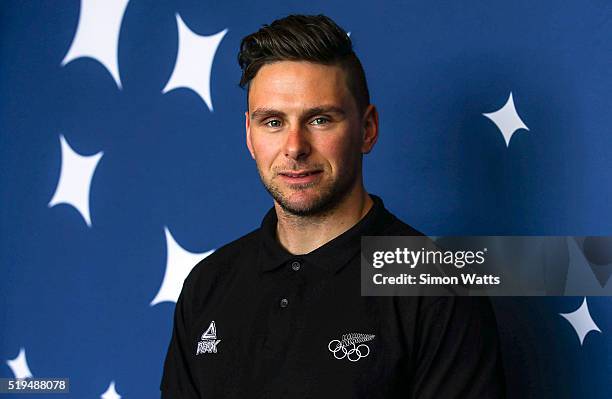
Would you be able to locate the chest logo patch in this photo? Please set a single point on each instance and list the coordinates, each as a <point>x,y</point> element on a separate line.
<point>209,341</point>
<point>352,346</point>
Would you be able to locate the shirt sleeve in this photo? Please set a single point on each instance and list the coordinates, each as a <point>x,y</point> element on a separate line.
<point>177,379</point>
<point>458,352</point>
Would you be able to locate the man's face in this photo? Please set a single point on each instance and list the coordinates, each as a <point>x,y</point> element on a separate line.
<point>306,135</point>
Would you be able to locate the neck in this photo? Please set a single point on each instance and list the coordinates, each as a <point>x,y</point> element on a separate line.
<point>303,234</point>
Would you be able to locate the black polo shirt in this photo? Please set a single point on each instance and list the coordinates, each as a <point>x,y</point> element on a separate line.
<point>254,321</point>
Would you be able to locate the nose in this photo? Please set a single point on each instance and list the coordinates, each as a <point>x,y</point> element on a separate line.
<point>297,145</point>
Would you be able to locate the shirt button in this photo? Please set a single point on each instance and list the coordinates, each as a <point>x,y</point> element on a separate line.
<point>284,303</point>
<point>296,266</point>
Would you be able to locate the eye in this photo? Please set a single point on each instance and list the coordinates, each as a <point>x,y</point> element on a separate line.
<point>273,123</point>
<point>319,121</point>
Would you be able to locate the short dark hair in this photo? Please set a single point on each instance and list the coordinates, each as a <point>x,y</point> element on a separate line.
<point>314,38</point>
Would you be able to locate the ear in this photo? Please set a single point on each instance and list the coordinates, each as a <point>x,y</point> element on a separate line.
<point>247,125</point>
<point>370,129</point>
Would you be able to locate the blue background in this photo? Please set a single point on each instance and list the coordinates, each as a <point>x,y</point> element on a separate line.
<point>78,297</point>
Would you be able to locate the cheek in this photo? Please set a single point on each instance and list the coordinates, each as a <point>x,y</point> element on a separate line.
<point>266,154</point>
<point>341,153</point>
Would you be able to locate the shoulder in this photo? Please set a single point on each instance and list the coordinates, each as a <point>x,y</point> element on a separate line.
<point>207,272</point>
<point>396,227</point>
<point>228,252</point>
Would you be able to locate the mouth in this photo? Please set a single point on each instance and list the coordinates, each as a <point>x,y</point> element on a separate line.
<point>300,173</point>
<point>300,176</point>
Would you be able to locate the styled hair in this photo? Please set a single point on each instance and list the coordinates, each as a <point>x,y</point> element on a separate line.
<point>313,38</point>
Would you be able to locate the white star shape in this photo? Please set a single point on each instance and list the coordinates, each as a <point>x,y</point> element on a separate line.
<point>507,120</point>
<point>194,62</point>
<point>75,180</point>
<point>110,392</point>
<point>19,365</point>
<point>97,34</point>
<point>581,321</point>
<point>179,263</point>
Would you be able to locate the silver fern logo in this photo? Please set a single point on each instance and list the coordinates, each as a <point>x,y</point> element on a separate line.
<point>352,346</point>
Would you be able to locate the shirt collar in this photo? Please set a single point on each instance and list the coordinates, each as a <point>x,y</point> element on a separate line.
<point>331,256</point>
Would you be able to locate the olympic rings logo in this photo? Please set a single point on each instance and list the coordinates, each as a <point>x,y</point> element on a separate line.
<point>352,352</point>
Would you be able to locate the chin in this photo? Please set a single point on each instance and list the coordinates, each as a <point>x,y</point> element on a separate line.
<point>305,200</point>
<point>306,204</point>
<point>298,202</point>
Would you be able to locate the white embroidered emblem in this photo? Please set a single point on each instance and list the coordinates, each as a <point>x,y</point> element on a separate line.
<point>351,346</point>
<point>209,341</point>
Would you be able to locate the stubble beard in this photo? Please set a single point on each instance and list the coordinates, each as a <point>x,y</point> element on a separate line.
<point>328,198</point>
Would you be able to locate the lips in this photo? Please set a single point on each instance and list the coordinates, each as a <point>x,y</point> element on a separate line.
<point>301,176</point>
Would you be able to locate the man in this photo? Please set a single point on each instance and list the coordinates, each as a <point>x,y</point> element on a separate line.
<point>278,313</point>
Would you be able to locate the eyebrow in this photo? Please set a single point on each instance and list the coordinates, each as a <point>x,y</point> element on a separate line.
<point>262,113</point>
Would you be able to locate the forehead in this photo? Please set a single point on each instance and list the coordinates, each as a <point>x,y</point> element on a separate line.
<point>286,84</point>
